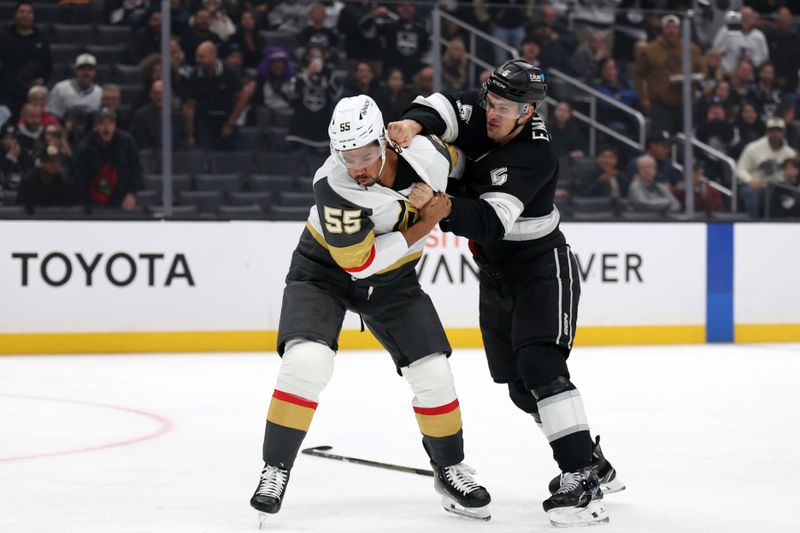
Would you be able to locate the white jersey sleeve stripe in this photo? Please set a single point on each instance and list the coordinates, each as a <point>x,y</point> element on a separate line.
<point>507,206</point>
<point>442,106</point>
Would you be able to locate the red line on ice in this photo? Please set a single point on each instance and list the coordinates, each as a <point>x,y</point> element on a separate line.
<point>164,427</point>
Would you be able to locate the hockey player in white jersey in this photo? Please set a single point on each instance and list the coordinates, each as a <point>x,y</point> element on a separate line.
<point>357,252</point>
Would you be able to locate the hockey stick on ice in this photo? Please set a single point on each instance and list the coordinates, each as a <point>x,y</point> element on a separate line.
<point>322,451</point>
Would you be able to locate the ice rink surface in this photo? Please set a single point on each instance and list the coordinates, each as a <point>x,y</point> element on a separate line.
<point>705,437</point>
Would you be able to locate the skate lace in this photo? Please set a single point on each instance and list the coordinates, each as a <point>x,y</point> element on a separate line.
<point>273,480</point>
<point>569,481</point>
<point>460,477</point>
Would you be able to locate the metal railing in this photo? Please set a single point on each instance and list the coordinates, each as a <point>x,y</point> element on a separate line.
<point>723,158</point>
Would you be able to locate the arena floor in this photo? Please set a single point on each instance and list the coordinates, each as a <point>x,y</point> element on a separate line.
<point>705,437</point>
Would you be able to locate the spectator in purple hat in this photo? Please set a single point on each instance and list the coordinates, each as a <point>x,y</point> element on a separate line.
<point>275,75</point>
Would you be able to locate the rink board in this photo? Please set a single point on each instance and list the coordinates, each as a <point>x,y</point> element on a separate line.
<point>96,287</point>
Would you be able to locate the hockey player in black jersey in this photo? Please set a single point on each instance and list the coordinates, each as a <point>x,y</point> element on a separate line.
<point>358,251</point>
<point>529,284</point>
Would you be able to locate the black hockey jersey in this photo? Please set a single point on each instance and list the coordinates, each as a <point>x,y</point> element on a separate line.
<point>504,201</point>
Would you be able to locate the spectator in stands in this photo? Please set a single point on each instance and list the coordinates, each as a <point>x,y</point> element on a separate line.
<point>749,127</point>
<point>406,41</point>
<point>505,22</point>
<point>197,33</point>
<point>787,112</point>
<point>647,195</point>
<point>111,98</point>
<point>552,53</point>
<point>423,82</point>
<point>37,95</point>
<point>275,75</point>
<point>760,163</point>
<point>10,151</point>
<point>606,180</point>
<point>591,16</point>
<point>80,92</point>
<point>531,50</point>
<point>716,130</point>
<point>631,27</point>
<point>706,198</point>
<point>396,96</point>
<point>621,91</point>
<point>314,93</point>
<point>29,134</point>
<point>289,15</point>
<point>219,21</point>
<point>363,82</point>
<point>741,82</point>
<point>548,14</point>
<point>588,58</point>
<point>315,33</point>
<point>722,94</point>
<point>785,195</point>
<point>454,66</point>
<point>54,134</point>
<point>739,39</point>
<point>146,123</point>
<point>47,185</point>
<point>566,138</point>
<point>147,40</point>
<point>658,73</point>
<point>766,94</point>
<point>107,164</point>
<point>179,17</point>
<point>24,58</point>
<point>712,71</point>
<point>784,50</point>
<point>214,100</point>
<point>658,147</point>
<point>359,45</point>
<point>249,40</point>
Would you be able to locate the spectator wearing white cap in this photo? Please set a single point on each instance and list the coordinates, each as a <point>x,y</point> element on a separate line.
<point>78,92</point>
<point>760,163</point>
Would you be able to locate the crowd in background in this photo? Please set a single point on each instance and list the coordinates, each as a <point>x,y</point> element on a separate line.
<point>67,139</point>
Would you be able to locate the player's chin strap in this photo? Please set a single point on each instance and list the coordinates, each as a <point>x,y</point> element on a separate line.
<point>519,124</point>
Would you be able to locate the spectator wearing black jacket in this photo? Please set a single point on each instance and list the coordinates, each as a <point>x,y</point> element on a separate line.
<point>198,33</point>
<point>24,58</point>
<point>406,41</point>
<point>250,42</point>
<point>360,45</point>
<point>316,33</point>
<point>147,40</point>
<point>784,50</point>
<point>47,185</point>
<point>107,165</point>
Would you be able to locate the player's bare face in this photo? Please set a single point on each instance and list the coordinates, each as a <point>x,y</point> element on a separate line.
<point>363,164</point>
<point>501,117</point>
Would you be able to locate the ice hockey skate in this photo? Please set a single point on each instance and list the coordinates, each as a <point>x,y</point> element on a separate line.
<point>270,491</point>
<point>605,473</point>
<point>461,495</point>
<point>577,502</point>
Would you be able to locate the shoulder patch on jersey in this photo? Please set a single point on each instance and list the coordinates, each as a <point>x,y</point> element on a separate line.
<point>464,111</point>
<point>499,176</point>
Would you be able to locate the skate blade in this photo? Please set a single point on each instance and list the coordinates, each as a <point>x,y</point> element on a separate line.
<point>262,519</point>
<point>593,514</point>
<point>610,487</point>
<point>475,513</point>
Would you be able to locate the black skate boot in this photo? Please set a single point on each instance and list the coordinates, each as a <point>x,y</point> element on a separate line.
<point>578,501</point>
<point>270,491</point>
<point>461,495</point>
<point>605,473</point>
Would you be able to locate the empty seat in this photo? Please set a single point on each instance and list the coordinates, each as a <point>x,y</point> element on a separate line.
<point>8,197</point>
<point>113,35</point>
<point>295,198</point>
<point>148,197</point>
<point>180,182</point>
<point>240,212</point>
<point>281,118</point>
<point>263,118</point>
<point>71,33</point>
<point>104,74</point>
<point>127,74</point>
<point>261,199</point>
<point>312,161</point>
<point>178,211</point>
<point>285,212</point>
<point>269,182</point>
<point>107,54</point>
<point>128,92</point>
<point>284,39</point>
<point>304,183</point>
<point>278,163</point>
<point>184,162</point>
<point>218,182</point>
<point>65,53</point>
<point>586,204</point>
<point>250,139</point>
<point>227,162</point>
<point>276,139</point>
<point>206,201</point>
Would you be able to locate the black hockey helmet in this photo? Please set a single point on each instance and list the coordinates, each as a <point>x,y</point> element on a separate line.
<point>518,81</point>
